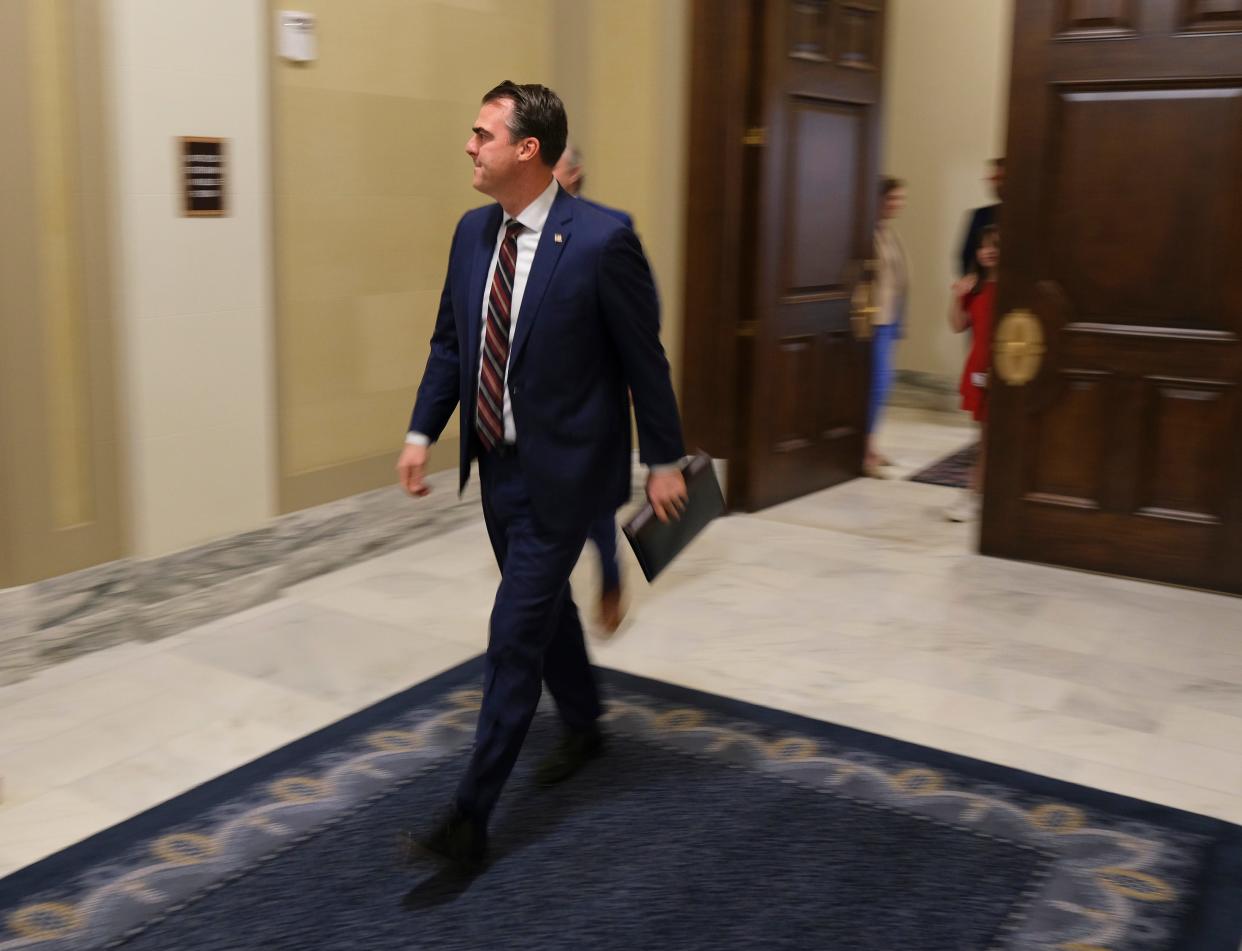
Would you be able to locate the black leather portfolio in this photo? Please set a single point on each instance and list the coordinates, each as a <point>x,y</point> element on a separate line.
<point>657,543</point>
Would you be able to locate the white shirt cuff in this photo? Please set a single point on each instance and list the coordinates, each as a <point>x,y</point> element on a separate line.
<point>417,439</point>
<point>666,467</point>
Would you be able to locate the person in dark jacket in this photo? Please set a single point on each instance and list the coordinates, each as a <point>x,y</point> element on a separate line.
<point>603,534</point>
<point>982,218</point>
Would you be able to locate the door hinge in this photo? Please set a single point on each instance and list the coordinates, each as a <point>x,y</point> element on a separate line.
<point>755,135</point>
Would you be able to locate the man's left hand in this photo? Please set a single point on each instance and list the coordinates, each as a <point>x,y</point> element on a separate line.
<point>667,494</point>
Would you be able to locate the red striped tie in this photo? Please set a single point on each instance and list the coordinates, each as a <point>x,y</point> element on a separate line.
<point>489,413</point>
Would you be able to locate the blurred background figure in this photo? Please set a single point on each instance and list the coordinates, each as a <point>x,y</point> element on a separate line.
<point>985,217</point>
<point>974,299</point>
<point>569,172</point>
<point>892,289</point>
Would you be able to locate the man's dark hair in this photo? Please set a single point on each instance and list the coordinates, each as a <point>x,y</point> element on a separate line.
<point>538,113</point>
<point>888,185</point>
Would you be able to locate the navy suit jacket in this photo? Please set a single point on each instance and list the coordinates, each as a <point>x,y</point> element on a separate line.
<point>588,332</point>
<point>617,213</point>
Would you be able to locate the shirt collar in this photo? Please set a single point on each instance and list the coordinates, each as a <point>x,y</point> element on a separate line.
<point>535,215</point>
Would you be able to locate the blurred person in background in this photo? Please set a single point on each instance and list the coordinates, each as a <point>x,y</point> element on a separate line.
<point>981,218</point>
<point>974,301</point>
<point>571,174</point>
<point>892,286</point>
<point>548,316</point>
<point>603,534</point>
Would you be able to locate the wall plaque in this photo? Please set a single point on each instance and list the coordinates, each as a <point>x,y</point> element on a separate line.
<point>203,172</point>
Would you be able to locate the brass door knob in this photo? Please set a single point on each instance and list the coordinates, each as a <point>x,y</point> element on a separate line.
<point>863,307</point>
<point>860,321</point>
<point>1018,350</point>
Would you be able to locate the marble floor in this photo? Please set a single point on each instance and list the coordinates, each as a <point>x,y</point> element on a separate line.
<point>859,605</point>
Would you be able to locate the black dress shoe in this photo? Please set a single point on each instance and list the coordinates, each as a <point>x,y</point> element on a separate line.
<point>574,751</point>
<point>456,839</point>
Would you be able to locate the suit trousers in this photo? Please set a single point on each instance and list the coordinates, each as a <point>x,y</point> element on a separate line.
<point>534,636</point>
<point>604,535</point>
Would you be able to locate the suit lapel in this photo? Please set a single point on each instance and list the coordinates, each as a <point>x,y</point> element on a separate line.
<point>552,243</point>
<point>484,248</point>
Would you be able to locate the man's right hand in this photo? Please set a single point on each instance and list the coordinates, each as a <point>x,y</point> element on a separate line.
<point>410,468</point>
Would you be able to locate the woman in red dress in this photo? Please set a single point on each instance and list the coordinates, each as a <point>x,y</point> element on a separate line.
<point>974,300</point>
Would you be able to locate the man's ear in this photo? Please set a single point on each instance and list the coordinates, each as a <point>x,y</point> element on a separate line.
<point>529,149</point>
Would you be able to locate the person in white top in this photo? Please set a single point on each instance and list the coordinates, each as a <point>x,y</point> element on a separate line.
<point>892,285</point>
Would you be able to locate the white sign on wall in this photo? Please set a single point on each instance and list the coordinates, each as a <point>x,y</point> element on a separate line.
<point>296,36</point>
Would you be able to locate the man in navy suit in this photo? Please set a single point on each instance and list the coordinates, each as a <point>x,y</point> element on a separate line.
<point>548,323</point>
<point>603,531</point>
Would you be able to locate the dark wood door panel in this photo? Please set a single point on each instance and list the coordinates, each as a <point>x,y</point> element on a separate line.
<point>1156,58</point>
<point>793,414</point>
<point>1155,247</point>
<point>1212,15</point>
<point>813,314</point>
<point>1148,351</point>
<point>848,34</point>
<point>858,35</point>
<point>1070,442</point>
<point>1185,462</point>
<point>809,30</point>
<point>842,374</point>
<point>1149,547</point>
<point>820,414</point>
<point>1092,19</point>
<point>1122,234</point>
<point>827,162</point>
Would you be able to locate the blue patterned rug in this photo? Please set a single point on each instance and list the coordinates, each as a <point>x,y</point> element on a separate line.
<point>709,824</point>
<point>952,471</point>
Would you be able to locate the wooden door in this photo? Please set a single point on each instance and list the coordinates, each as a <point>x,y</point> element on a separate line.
<point>1121,235</point>
<point>784,148</point>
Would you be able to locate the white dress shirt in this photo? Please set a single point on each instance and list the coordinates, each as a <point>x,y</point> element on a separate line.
<point>533,217</point>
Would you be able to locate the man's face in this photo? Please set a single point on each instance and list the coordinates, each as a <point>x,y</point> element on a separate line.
<point>568,174</point>
<point>997,179</point>
<point>495,155</point>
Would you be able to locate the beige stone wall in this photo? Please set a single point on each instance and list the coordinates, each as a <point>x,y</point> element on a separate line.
<point>624,72</point>
<point>59,495</point>
<point>195,293</point>
<point>370,177</point>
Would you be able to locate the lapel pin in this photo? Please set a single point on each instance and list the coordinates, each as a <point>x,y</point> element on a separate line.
<point>558,238</point>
